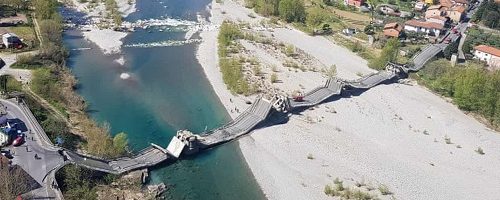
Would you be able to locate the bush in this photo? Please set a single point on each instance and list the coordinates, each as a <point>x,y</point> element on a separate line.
<point>292,10</point>
<point>389,54</point>
<point>384,190</point>
<point>480,151</point>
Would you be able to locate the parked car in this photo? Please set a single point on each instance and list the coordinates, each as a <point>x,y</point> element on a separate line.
<point>19,140</point>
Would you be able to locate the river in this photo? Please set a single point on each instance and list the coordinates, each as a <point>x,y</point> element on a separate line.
<point>167,91</point>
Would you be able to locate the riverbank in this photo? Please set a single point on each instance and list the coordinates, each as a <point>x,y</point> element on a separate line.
<point>399,135</point>
<point>97,28</point>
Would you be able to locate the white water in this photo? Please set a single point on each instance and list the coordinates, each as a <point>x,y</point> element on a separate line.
<point>168,43</point>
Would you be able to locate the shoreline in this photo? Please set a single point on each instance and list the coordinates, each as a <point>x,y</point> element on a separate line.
<point>389,135</point>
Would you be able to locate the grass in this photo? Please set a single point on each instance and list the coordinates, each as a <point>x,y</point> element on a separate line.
<point>384,190</point>
<point>338,190</point>
<point>27,61</point>
<point>24,32</point>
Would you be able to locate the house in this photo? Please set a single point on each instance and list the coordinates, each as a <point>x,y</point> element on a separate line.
<point>392,30</point>
<point>439,20</point>
<point>488,54</point>
<point>435,10</point>
<point>430,28</point>
<point>419,6</point>
<point>10,40</point>
<point>456,13</point>
<point>429,2</point>
<point>357,3</point>
<point>455,2</point>
<point>388,9</point>
<point>446,3</point>
<point>4,139</point>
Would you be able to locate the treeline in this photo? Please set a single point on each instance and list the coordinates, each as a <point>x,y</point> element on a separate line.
<point>472,88</point>
<point>315,19</point>
<point>288,10</point>
<point>489,14</point>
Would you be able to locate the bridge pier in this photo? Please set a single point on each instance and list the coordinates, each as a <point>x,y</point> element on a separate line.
<point>184,142</point>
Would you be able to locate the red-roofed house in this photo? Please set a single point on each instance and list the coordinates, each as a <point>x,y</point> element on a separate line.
<point>456,13</point>
<point>490,55</point>
<point>392,30</point>
<point>356,3</point>
<point>430,28</point>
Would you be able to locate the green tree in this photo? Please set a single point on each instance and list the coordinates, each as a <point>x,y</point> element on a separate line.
<point>389,54</point>
<point>292,10</point>
<point>316,16</point>
<point>267,7</point>
<point>120,143</point>
<point>45,9</point>
<point>451,49</point>
<point>492,19</point>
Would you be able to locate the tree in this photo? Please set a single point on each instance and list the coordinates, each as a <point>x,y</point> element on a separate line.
<point>389,54</point>
<point>451,49</point>
<point>14,181</point>
<point>292,10</point>
<point>120,143</point>
<point>316,16</point>
<point>266,7</point>
<point>491,19</point>
<point>45,9</point>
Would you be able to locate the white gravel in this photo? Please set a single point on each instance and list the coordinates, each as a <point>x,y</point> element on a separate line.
<point>377,136</point>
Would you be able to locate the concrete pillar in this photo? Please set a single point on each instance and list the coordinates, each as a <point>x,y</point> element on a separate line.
<point>453,60</point>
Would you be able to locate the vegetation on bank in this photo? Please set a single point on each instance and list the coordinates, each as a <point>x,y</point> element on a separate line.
<point>112,8</point>
<point>230,66</point>
<point>79,183</point>
<point>472,88</point>
<point>54,83</point>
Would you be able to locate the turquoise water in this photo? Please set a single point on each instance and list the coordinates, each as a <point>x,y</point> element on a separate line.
<point>167,91</point>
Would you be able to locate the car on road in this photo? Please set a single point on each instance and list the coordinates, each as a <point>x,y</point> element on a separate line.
<point>19,140</point>
<point>447,40</point>
<point>7,154</point>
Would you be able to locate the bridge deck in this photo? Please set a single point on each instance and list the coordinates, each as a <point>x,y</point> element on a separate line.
<point>372,80</point>
<point>145,158</point>
<point>319,94</point>
<point>239,126</point>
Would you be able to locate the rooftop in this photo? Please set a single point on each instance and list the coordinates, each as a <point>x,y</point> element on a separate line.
<point>424,24</point>
<point>488,49</point>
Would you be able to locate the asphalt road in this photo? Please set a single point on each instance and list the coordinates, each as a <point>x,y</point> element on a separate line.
<point>48,159</point>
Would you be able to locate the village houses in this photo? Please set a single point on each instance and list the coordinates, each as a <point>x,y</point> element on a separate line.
<point>488,54</point>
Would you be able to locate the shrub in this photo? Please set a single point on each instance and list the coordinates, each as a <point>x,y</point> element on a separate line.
<point>384,190</point>
<point>480,151</point>
<point>274,78</point>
